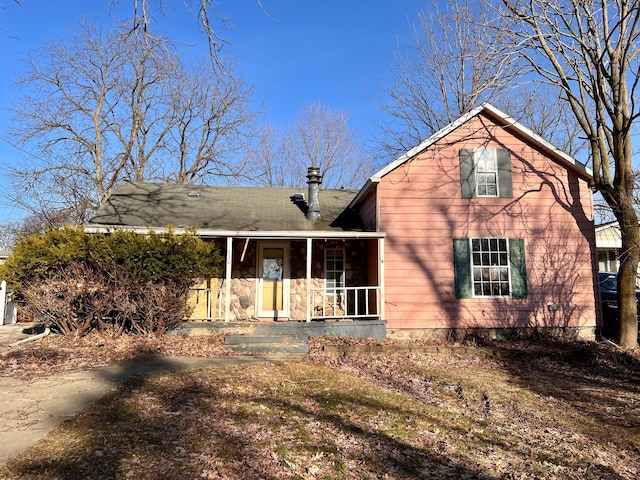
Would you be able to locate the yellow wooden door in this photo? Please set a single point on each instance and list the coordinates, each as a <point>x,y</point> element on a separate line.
<point>273,280</point>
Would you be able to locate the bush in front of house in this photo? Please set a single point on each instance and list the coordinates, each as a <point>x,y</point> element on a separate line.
<point>117,282</point>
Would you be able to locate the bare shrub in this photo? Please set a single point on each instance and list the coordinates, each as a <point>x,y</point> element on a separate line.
<point>70,299</point>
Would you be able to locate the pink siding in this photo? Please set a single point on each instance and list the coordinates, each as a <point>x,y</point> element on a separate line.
<point>421,209</point>
<point>367,211</point>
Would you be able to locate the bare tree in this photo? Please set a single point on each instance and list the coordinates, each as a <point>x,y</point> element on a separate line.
<point>208,129</point>
<point>588,50</point>
<point>546,113</point>
<point>449,70</point>
<point>36,223</point>
<point>457,61</point>
<point>209,18</point>
<point>322,138</point>
<point>115,105</point>
<point>271,166</point>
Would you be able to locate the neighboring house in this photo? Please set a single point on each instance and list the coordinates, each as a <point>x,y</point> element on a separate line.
<point>484,225</point>
<point>608,245</point>
<point>4,254</point>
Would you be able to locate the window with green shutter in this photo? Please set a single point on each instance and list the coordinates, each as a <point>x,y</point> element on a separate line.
<point>485,172</point>
<point>490,267</point>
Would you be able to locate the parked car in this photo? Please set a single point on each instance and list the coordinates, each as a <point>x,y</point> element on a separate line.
<point>609,296</point>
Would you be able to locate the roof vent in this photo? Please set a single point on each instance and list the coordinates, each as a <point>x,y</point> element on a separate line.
<point>298,197</point>
<point>194,193</point>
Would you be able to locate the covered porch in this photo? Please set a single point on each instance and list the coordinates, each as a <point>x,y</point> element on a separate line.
<point>294,277</point>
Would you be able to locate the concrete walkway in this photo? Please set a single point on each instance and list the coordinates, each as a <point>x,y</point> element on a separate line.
<point>29,409</point>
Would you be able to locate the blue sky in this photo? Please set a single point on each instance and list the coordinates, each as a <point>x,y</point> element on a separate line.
<point>300,51</point>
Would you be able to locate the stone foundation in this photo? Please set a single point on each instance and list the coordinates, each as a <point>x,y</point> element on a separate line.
<point>461,334</point>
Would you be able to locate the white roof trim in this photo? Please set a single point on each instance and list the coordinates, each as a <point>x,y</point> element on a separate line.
<point>427,143</point>
<point>508,123</point>
<point>537,138</point>
<point>608,225</point>
<point>204,232</point>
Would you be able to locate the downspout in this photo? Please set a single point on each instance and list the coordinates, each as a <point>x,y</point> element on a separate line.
<point>46,332</point>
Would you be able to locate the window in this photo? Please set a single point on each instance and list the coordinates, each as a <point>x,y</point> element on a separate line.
<point>334,268</point>
<point>607,261</point>
<point>485,172</point>
<point>486,167</point>
<point>490,267</point>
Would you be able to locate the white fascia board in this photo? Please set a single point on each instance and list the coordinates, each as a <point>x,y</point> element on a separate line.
<point>515,125</point>
<point>376,177</point>
<point>605,226</point>
<point>427,143</point>
<point>211,233</point>
<point>368,186</point>
<point>508,122</point>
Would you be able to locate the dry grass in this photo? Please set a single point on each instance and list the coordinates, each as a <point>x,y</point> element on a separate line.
<point>558,412</point>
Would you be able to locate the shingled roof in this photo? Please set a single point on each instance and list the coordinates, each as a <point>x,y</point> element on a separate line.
<point>157,205</point>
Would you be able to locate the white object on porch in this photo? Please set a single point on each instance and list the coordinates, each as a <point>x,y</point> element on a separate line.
<point>7,308</point>
<point>8,313</point>
<point>3,299</point>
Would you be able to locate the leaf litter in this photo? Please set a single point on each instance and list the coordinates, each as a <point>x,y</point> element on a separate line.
<point>557,412</point>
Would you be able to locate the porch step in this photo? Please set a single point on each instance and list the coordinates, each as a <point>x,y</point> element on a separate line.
<point>267,344</point>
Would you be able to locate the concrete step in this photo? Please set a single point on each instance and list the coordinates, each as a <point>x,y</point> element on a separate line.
<point>269,349</point>
<point>267,344</point>
<point>259,339</point>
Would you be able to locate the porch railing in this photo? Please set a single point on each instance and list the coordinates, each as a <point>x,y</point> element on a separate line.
<point>328,303</point>
<point>207,304</point>
<point>346,302</point>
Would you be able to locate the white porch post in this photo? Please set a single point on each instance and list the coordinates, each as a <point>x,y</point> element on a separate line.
<point>309,296</point>
<point>227,279</point>
<point>381,275</point>
<point>3,300</point>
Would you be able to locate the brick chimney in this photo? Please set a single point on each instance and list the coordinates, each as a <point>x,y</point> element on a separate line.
<point>313,202</point>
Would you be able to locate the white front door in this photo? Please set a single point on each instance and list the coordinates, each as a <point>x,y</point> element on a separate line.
<point>273,280</point>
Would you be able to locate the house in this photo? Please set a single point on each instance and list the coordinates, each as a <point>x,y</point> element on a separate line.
<point>608,245</point>
<point>288,257</point>
<point>484,225</point>
<point>4,254</point>
<point>487,226</point>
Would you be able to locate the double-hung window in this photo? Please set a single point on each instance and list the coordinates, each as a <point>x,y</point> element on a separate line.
<point>486,169</point>
<point>485,172</point>
<point>490,267</point>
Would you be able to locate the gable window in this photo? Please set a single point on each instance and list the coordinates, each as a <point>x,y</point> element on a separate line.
<point>486,166</point>
<point>485,172</point>
<point>334,268</point>
<point>490,267</point>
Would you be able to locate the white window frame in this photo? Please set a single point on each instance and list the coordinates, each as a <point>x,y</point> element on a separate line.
<point>485,160</point>
<point>490,269</point>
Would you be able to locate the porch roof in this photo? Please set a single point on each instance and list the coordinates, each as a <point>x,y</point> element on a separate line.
<point>228,211</point>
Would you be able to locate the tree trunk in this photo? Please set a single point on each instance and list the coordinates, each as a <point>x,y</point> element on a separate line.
<point>627,331</point>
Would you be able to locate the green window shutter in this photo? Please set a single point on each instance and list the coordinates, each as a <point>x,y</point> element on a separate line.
<point>518,268</point>
<point>467,174</point>
<point>462,267</point>
<point>504,173</point>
